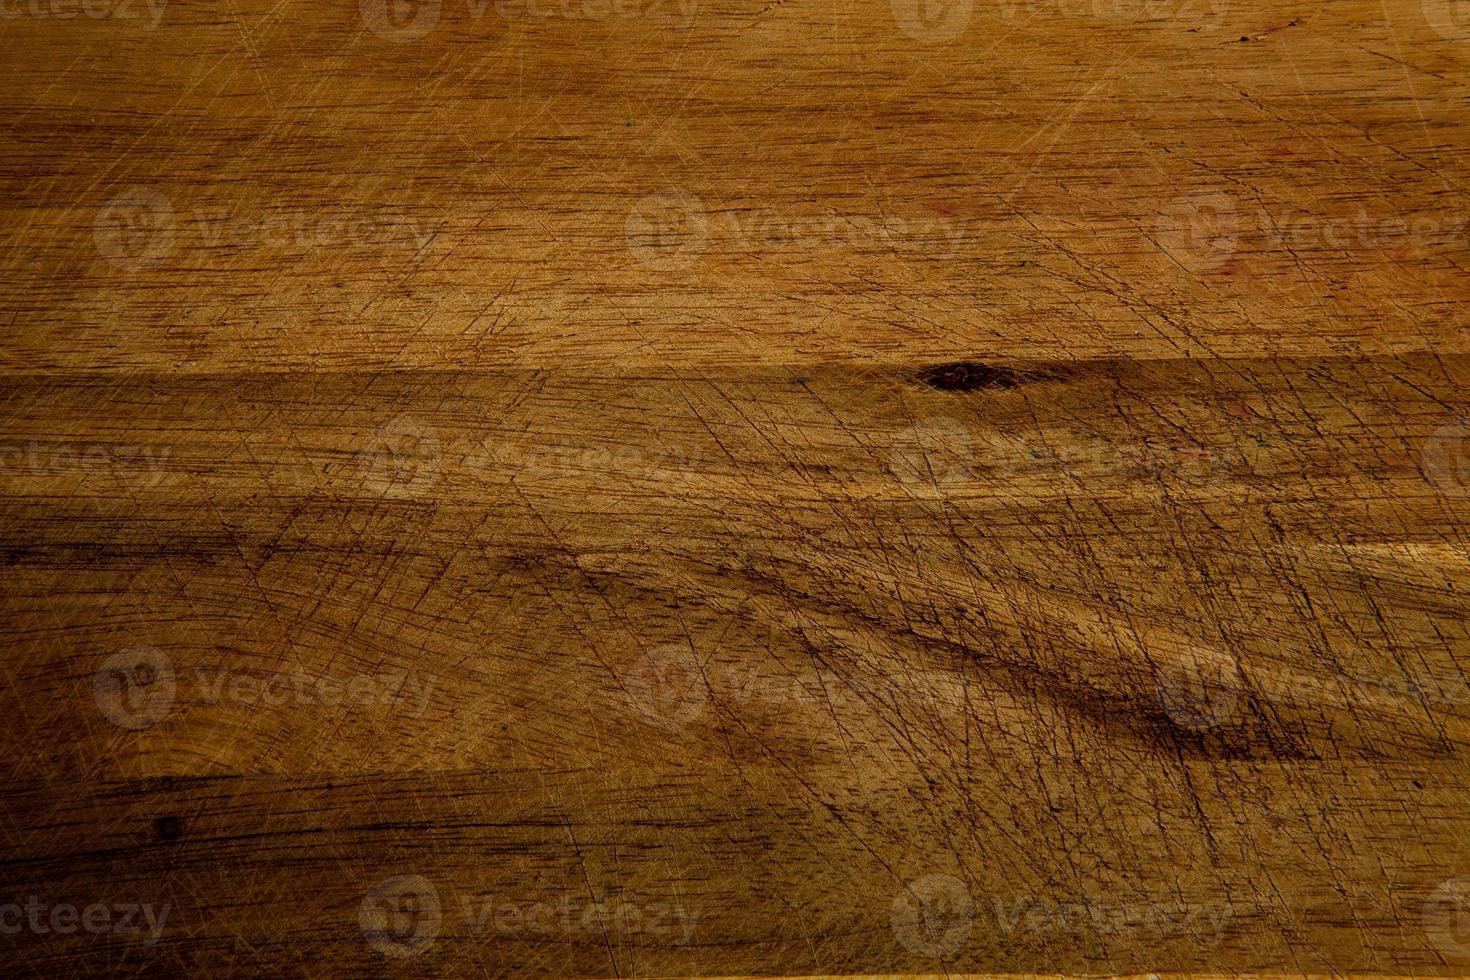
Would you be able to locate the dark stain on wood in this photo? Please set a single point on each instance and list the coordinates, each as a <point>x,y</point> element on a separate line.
<point>168,827</point>
<point>965,376</point>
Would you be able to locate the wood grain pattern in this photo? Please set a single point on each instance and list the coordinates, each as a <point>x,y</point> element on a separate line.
<point>726,488</point>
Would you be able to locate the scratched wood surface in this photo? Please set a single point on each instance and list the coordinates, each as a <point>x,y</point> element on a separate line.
<point>655,487</point>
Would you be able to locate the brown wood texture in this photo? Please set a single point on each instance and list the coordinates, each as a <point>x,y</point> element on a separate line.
<point>656,487</point>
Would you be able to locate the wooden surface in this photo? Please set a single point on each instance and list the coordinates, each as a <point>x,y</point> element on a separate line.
<point>669,488</point>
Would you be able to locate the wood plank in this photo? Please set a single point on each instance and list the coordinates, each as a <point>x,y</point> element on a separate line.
<point>757,183</point>
<point>1038,629</point>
